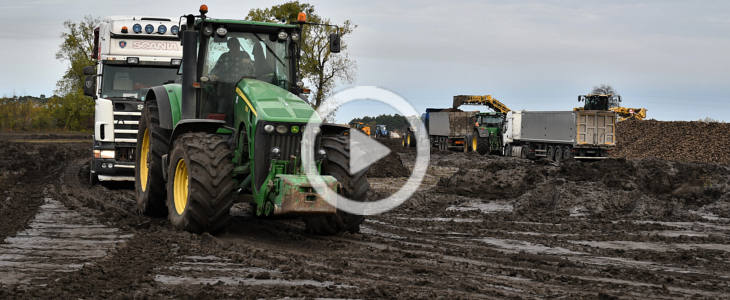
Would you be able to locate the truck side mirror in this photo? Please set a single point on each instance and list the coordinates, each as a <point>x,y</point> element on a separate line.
<point>90,86</point>
<point>89,70</point>
<point>335,43</point>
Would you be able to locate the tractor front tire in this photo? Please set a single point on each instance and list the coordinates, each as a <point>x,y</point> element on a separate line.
<point>200,185</point>
<point>152,143</point>
<point>481,143</point>
<point>352,186</point>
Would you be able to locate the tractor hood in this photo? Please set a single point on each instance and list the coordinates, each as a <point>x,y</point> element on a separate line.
<point>272,103</point>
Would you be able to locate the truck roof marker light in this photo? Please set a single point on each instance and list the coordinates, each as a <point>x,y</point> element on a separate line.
<point>149,28</point>
<point>137,28</point>
<point>302,17</point>
<point>203,9</point>
<point>124,29</point>
<point>174,29</point>
<point>162,29</point>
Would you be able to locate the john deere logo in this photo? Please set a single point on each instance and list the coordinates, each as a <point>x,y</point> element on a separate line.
<point>122,44</point>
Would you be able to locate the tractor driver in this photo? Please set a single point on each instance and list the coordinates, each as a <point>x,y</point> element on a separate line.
<point>234,64</point>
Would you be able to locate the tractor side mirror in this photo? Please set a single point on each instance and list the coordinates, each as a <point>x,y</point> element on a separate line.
<point>90,86</point>
<point>335,43</point>
<point>89,70</point>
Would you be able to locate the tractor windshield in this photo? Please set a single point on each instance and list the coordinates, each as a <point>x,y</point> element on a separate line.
<point>490,120</point>
<point>124,81</point>
<point>247,55</point>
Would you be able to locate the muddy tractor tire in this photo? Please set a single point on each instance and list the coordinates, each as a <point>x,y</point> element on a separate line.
<point>480,144</point>
<point>152,143</point>
<point>353,186</point>
<point>200,185</point>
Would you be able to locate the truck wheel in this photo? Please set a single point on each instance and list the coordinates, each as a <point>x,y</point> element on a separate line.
<point>508,150</point>
<point>353,186</point>
<point>152,143</point>
<point>200,185</point>
<point>550,153</point>
<point>480,144</point>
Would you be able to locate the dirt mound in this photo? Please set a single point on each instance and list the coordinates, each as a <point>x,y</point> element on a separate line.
<point>678,141</point>
<point>389,166</point>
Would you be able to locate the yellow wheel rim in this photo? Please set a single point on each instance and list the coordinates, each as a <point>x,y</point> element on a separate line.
<point>180,187</point>
<point>403,143</point>
<point>409,140</point>
<point>144,165</point>
<point>474,144</point>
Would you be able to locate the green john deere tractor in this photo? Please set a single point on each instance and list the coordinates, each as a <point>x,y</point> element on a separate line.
<point>487,136</point>
<point>232,130</point>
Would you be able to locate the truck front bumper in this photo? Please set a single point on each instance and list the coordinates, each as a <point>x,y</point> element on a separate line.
<point>295,195</point>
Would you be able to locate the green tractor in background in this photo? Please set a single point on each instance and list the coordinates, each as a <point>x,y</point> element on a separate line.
<point>487,136</point>
<point>233,128</point>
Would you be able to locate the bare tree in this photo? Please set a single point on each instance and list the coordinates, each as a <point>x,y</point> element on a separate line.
<point>604,89</point>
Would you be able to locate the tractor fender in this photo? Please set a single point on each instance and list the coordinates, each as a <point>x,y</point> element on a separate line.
<point>159,94</point>
<point>329,128</point>
<point>197,125</point>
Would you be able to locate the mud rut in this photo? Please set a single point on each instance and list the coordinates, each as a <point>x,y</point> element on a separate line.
<point>82,241</point>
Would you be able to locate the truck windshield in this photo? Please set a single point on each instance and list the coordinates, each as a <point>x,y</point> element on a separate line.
<point>247,55</point>
<point>124,81</point>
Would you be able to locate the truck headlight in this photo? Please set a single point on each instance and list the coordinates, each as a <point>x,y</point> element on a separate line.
<point>283,35</point>
<point>107,153</point>
<point>269,128</point>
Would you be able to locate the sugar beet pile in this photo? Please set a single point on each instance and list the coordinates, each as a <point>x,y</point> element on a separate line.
<point>679,141</point>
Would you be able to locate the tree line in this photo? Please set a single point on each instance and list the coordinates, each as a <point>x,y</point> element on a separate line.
<point>392,122</point>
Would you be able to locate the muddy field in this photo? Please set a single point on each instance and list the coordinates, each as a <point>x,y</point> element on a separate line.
<point>479,227</point>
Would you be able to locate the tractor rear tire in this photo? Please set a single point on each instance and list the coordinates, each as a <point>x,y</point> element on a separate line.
<point>353,186</point>
<point>200,185</point>
<point>481,143</point>
<point>152,143</point>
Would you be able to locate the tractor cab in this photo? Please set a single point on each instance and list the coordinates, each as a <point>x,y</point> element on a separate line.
<point>599,101</point>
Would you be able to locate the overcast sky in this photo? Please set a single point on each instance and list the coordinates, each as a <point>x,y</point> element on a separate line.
<point>672,57</point>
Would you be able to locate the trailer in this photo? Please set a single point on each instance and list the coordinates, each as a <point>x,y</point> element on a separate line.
<point>449,128</point>
<point>560,135</point>
<point>131,54</point>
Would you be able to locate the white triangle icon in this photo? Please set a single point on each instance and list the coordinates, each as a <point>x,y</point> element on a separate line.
<point>364,151</point>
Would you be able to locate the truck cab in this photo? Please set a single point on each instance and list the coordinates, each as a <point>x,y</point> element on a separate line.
<point>132,54</point>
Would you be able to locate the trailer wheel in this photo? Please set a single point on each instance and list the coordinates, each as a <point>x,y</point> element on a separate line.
<point>200,185</point>
<point>567,153</point>
<point>523,151</point>
<point>353,186</point>
<point>558,154</point>
<point>152,143</point>
<point>550,155</point>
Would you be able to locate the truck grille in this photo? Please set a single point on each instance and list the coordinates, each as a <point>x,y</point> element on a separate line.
<point>126,121</point>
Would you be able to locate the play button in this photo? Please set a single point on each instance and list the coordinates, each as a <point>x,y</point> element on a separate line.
<point>364,151</point>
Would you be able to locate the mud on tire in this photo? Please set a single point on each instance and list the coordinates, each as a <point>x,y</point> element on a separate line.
<point>200,169</point>
<point>354,186</point>
<point>150,194</point>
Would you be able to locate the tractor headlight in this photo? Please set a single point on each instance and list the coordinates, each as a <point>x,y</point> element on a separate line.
<point>300,84</point>
<point>295,36</point>
<point>321,152</point>
<point>295,129</point>
<point>283,35</point>
<point>269,128</point>
<point>221,31</point>
<point>275,151</point>
<point>281,129</point>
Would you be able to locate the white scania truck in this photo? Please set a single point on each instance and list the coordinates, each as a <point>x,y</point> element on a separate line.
<point>132,54</point>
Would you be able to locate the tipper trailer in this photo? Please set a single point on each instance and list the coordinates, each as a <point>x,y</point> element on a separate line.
<point>560,135</point>
<point>449,128</point>
<point>132,54</point>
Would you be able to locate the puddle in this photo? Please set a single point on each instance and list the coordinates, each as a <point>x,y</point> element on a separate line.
<point>516,246</point>
<point>578,211</point>
<point>216,270</point>
<point>651,246</point>
<point>456,220</point>
<point>487,208</point>
<point>56,240</point>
